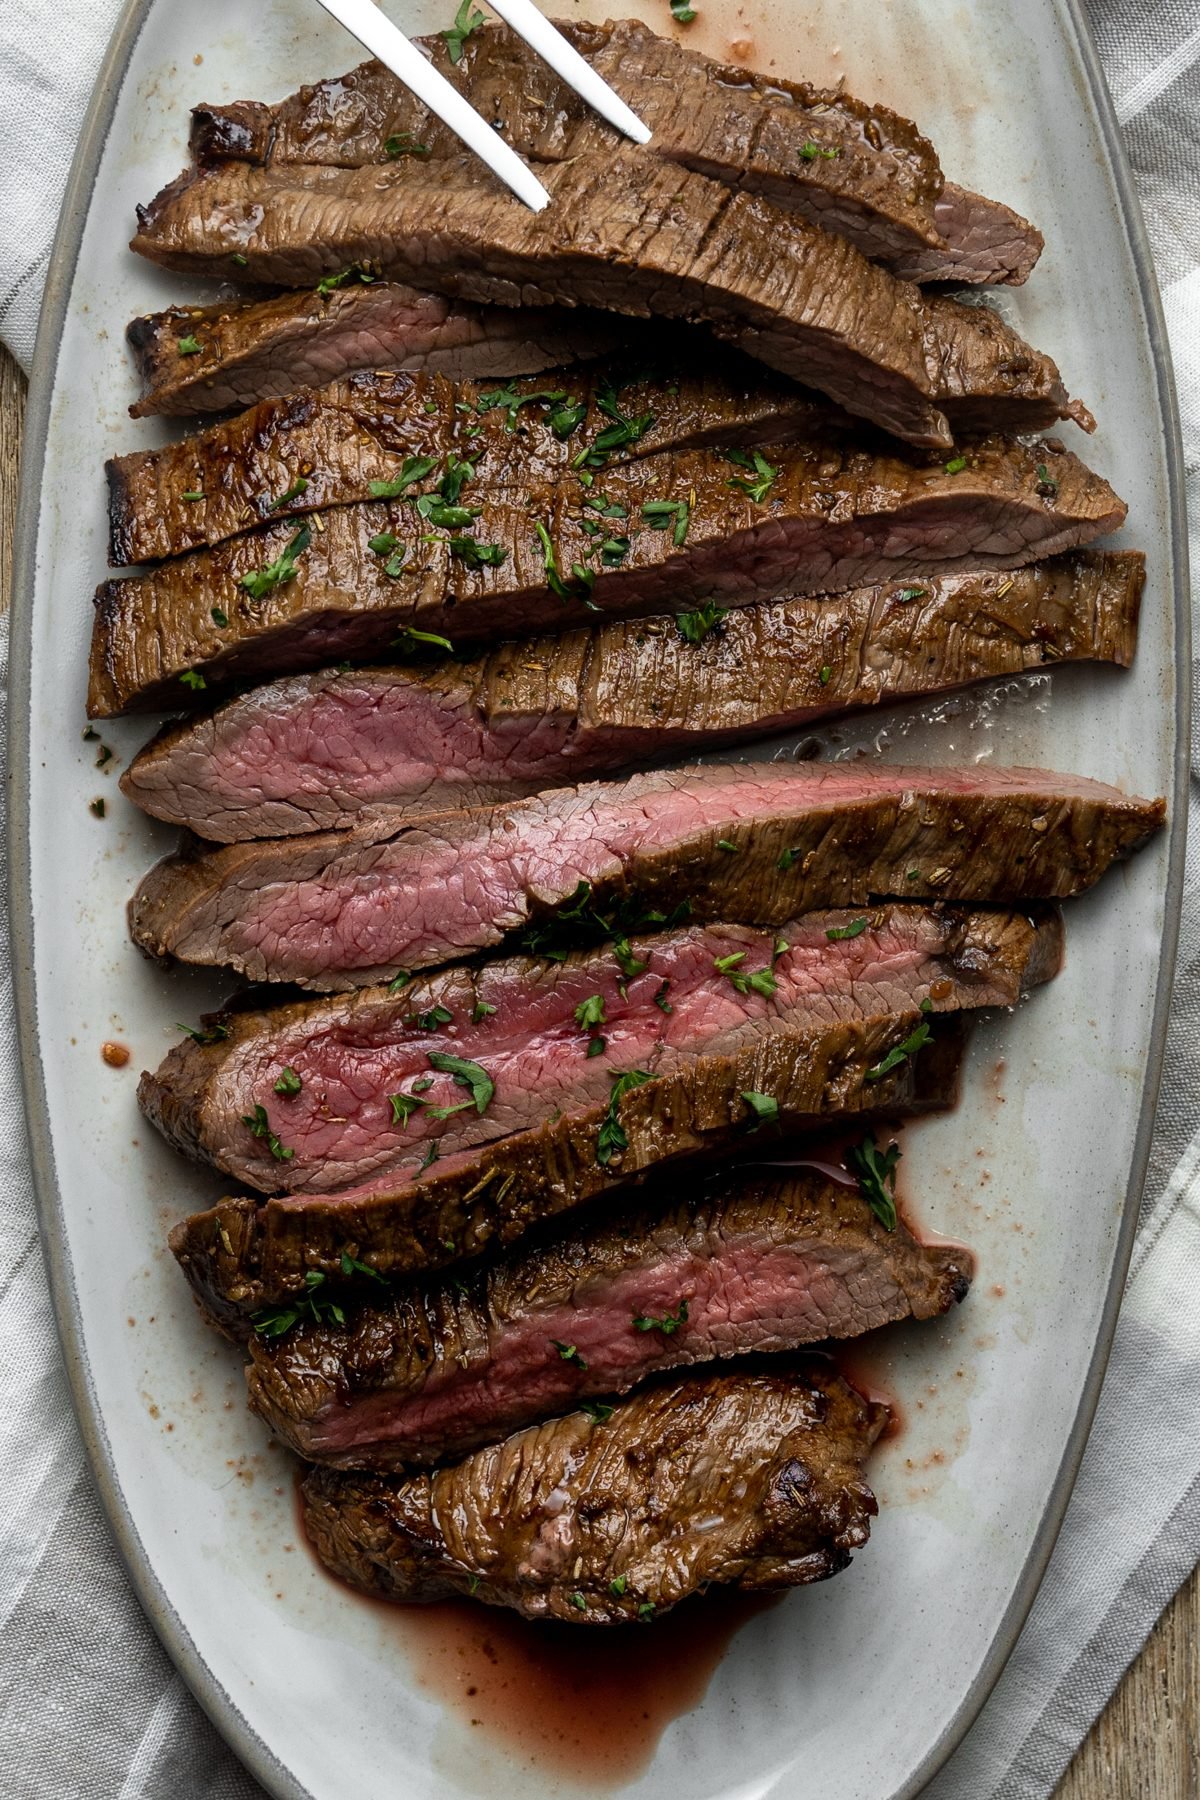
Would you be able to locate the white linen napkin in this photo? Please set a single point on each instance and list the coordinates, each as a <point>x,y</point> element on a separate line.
<point>90,1707</point>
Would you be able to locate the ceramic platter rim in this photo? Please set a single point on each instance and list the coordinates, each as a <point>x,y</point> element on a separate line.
<point>171,1628</point>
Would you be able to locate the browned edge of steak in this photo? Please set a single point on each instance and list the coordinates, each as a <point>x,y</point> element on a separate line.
<point>753,1479</point>
<point>243,1254</point>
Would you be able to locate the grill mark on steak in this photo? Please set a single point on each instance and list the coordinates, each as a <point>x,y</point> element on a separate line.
<point>245,1253</point>
<point>340,909</point>
<point>345,437</point>
<point>255,350</point>
<point>631,235</point>
<point>836,516</point>
<point>765,1263</point>
<point>351,1053</point>
<point>319,752</point>
<point>753,1480</point>
<point>877,184</point>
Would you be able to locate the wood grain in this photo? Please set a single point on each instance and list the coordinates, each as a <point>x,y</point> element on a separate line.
<point>1146,1744</point>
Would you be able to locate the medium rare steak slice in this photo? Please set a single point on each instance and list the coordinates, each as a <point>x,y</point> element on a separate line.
<point>863,172</point>
<point>658,536</point>
<point>754,1480</point>
<point>318,1096</point>
<point>244,1254</point>
<point>312,450</point>
<point>763,1262</point>
<point>631,235</point>
<point>318,752</point>
<point>757,843</point>
<point>254,350</point>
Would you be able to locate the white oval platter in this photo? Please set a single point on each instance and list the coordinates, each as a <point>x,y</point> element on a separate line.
<point>857,1689</point>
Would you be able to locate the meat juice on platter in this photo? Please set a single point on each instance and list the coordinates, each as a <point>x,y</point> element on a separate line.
<point>563,1215</point>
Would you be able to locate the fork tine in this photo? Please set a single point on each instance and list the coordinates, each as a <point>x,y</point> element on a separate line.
<point>553,48</point>
<point>387,42</point>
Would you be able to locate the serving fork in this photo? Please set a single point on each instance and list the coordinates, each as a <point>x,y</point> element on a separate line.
<point>388,43</point>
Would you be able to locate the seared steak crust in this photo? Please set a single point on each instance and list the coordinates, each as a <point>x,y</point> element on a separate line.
<point>254,350</point>
<point>764,1261</point>
<point>557,1035</point>
<point>836,515</point>
<point>320,752</point>
<point>861,171</point>
<point>342,439</point>
<point>243,1254</point>
<point>749,1479</point>
<point>339,909</point>
<point>627,234</point>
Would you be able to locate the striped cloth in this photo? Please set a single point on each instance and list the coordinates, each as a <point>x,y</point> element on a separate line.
<point>90,1707</point>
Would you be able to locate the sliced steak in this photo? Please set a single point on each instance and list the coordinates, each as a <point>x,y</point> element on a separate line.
<point>863,172</point>
<point>339,443</point>
<point>833,517</point>
<point>631,235</point>
<point>757,843</point>
<point>317,1096</point>
<point>763,1262</point>
<point>244,1254</point>
<point>319,752</point>
<point>750,1479</point>
<point>254,350</point>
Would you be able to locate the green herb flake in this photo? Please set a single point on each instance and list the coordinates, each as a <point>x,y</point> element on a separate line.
<point>261,582</point>
<point>597,1046</point>
<point>289,1082</point>
<point>810,151</point>
<point>403,1107</point>
<point>466,20</point>
<point>399,980</point>
<point>661,1001</point>
<point>612,1139</point>
<point>854,929</point>
<point>356,272</point>
<point>219,617</point>
<point>669,1324</point>
<point>876,1173</point>
<point>402,143</point>
<point>298,487</point>
<point>481,1011</point>
<point>511,401</point>
<point>598,1412</point>
<point>239,259</point>
<point>193,494</point>
<point>900,1053</point>
<point>646,1610</point>
<point>956,465</point>
<point>383,543</point>
<point>475,555</point>
<point>311,1307</point>
<point>672,515</point>
<point>825,676</point>
<point>912,593</point>
<point>1047,487</point>
<point>590,1012</point>
<point>412,470</point>
<point>350,1265</point>
<point>763,475</point>
<point>430,1157</point>
<point>765,1108</point>
<point>618,1585</point>
<point>216,1033</point>
<point>730,848</point>
<point>466,1074</point>
<point>694,627</point>
<point>436,1017</point>
<point>260,1127</point>
<point>683,11</point>
<point>629,964</point>
<point>578,1601</point>
<point>191,678</point>
<point>189,346</point>
<point>569,1353</point>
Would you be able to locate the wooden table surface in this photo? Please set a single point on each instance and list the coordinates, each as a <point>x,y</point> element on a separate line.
<point>1144,1746</point>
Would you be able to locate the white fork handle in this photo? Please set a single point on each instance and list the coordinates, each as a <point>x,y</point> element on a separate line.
<point>386,41</point>
<point>565,60</point>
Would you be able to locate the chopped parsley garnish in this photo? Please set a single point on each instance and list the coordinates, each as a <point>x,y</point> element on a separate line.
<point>810,151</point>
<point>590,1012</point>
<point>567,418</point>
<point>876,1173</point>
<point>261,582</point>
<point>276,1321</point>
<point>956,465</point>
<point>193,494</point>
<point>190,346</point>
<point>569,1353</point>
<point>239,259</point>
<point>762,981</point>
<point>414,642</point>
<point>1047,487</point>
<point>660,999</point>
<point>399,980</point>
<point>512,401</point>
<point>825,676</point>
<point>289,1082</point>
<point>298,487</point>
<point>646,1610</point>
<point>191,678</point>
<point>765,1108</point>
<point>912,593</point>
<point>612,1139</point>
<point>668,515</point>
<point>854,929</point>
<point>597,1045</point>
<point>480,1011</point>
<point>403,1107</point>
<point>476,555</point>
<point>466,1074</point>
<point>578,1601</point>
<point>694,627</point>
<point>725,844</point>
<point>598,1412</point>
<point>466,20</point>
<point>216,1033</point>
<point>669,1324</point>
<point>618,1585</point>
<point>413,469</point>
<point>352,1266</point>
<point>900,1053</point>
<point>383,543</point>
<point>787,858</point>
<point>402,143</point>
<point>260,1127</point>
<point>218,617</point>
<point>431,1156</point>
<point>629,964</point>
<point>764,475</point>
<point>684,11</point>
<point>356,272</point>
<point>622,431</point>
<point>434,1018</point>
